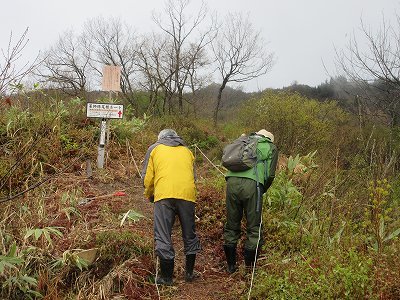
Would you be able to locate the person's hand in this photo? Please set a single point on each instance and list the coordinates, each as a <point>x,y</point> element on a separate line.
<point>151,199</point>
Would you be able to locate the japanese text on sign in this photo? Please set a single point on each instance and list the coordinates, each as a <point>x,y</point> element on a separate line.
<point>104,110</point>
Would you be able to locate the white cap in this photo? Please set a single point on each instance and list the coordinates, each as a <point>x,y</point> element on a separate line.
<point>266,134</point>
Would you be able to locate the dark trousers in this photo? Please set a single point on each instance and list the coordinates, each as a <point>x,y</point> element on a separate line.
<point>241,197</point>
<point>164,217</point>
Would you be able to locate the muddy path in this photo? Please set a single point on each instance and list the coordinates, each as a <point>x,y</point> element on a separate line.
<point>100,215</point>
<point>213,281</point>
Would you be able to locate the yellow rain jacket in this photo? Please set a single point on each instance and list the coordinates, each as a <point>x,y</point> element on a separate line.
<point>168,173</point>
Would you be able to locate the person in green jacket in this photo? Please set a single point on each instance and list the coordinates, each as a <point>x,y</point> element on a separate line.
<point>244,193</point>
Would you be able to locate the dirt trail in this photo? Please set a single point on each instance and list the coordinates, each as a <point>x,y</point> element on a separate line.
<point>213,281</point>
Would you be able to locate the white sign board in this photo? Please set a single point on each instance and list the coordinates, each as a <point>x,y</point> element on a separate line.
<point>104,110</point>
<point>111,78</point>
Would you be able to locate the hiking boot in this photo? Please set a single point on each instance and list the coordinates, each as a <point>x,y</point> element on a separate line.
<point>189,275</point>
<point>166,272</point>
<point>249,257</point>
<point>230,253</point>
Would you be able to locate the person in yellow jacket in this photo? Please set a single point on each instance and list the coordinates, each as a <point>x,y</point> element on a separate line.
<point>169,182</point>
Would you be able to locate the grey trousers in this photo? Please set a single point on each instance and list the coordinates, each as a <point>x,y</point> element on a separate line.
<point>164,217</point>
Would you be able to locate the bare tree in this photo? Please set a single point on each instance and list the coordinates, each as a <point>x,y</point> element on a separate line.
<point>148,65</point>
<point>154,63</point>
<point>11,71</point>
<point>239,53</point>
<point>187,44</point>
<point>196,76</point>
<point>66,64</point>
<point>115,43</point>
<point>372,62</point>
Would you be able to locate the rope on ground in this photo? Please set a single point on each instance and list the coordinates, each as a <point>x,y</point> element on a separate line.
<point>155,280</point>
<point>255,259</point>
<point>215,166</point>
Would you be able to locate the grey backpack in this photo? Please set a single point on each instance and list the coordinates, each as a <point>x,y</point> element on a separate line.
<point>241,154</point>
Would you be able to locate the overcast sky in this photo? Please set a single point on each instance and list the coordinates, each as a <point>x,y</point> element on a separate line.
<point>301,33</point>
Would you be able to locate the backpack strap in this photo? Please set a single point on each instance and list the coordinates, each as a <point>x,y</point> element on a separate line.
<point>258,202</point>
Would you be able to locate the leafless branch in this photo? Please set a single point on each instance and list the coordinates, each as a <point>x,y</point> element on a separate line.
<point>12,71</point>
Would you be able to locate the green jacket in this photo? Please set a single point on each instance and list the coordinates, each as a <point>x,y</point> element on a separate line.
<point>267,154</point>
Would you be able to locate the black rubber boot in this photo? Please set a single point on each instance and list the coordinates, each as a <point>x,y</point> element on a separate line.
<point>190,260</point>
<point>230,253</point>
<point>166,272</point>
<point>249,257</point>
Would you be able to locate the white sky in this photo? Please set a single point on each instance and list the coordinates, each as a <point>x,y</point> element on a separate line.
<point>301,33</point>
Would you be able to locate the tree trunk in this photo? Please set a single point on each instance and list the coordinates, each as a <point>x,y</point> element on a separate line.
<point>219,97</point>
<point>180,100</point>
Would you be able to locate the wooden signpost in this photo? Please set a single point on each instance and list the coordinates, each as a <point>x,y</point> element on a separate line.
<point>111,78</point>
<point>105,111</point>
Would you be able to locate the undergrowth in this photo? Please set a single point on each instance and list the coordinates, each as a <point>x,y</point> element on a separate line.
<point>330,219</point>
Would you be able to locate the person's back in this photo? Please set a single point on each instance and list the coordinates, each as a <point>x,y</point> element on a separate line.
<point>267,158</point>
<point>168,179</point>
<point>244,197</point>
<point>173,172</point>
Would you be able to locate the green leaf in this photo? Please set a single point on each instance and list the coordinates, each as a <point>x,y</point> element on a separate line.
<point>38,232</point>
<point>382,228</point>
<point>13,250</point>
<point>29,250</point>
<point>131,215</point>
<point>293,162</point>
<point>47,236</point>
<point>392,235</point>
<point>29,280</point>
<point>80,262</point>
<point>29,233</point>
<point>57,263</point>
<point>55,231</point>
<point>375,246</point>
<point>338,235</point>
<point>36,294</point>
<point>9,262</point>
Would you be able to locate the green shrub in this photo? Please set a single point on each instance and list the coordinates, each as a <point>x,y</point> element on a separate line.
<point>68,144</point>
<point>193,132</point>
<point>300,125</point>
<point>316,277</point>
<point>126,129</point>
<point>18,279</point>
<point>209,142</point>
